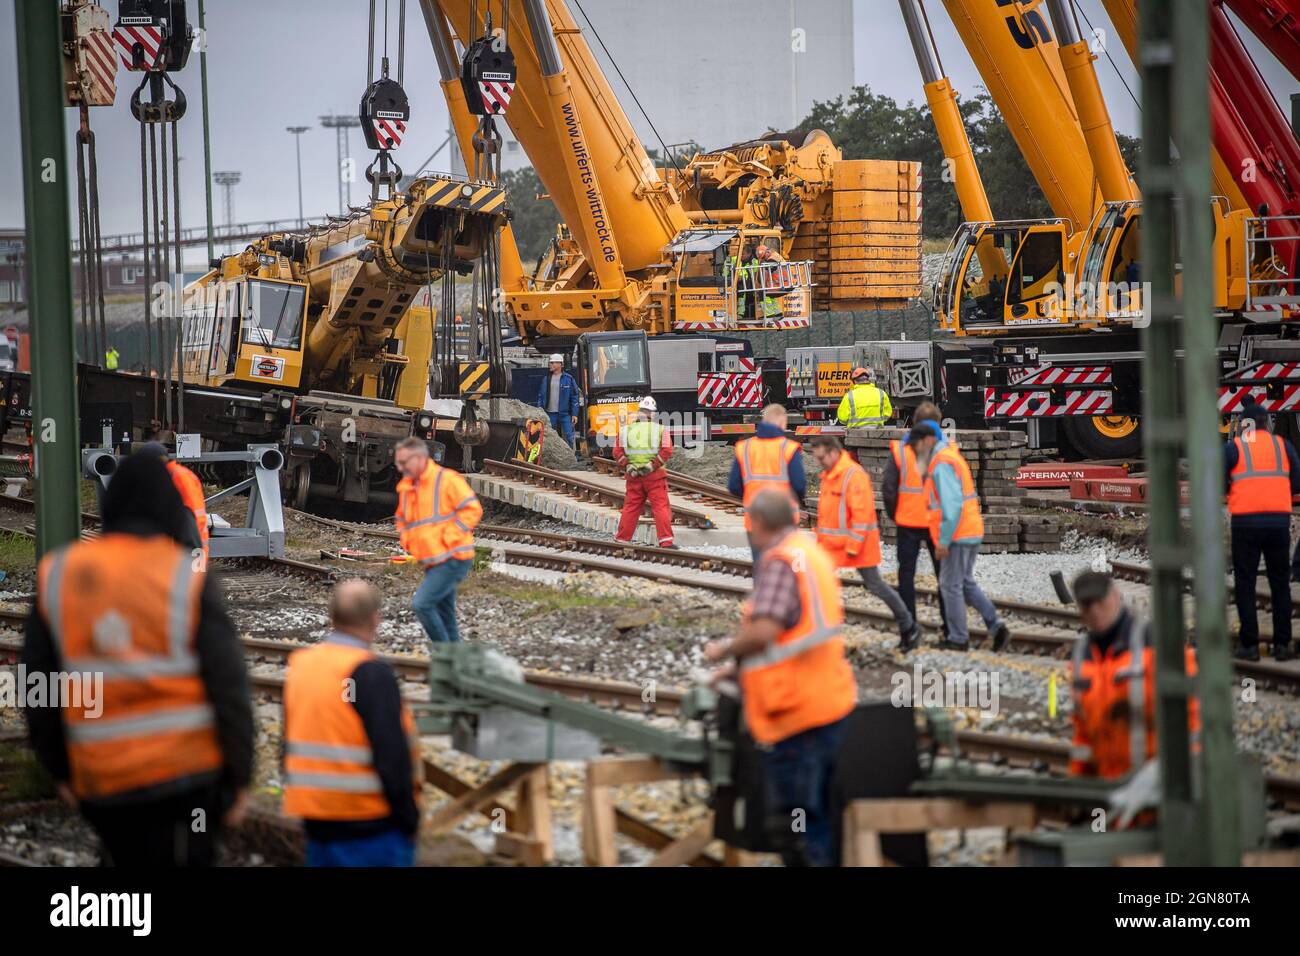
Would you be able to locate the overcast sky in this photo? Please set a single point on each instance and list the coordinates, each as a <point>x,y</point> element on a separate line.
<point>275,63</point>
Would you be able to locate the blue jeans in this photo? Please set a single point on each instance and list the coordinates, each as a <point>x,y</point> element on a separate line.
<point>563,424</point>
<point>957,589</point>
<point>797,776</point>
<point>435,599</point>
<point>390,848</point>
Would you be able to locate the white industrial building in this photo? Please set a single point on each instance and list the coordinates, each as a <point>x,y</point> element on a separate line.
<point>721,73</point>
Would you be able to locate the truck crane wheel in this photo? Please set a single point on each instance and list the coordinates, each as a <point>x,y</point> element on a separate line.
<point>300,485</point>
<point>1103,436</point>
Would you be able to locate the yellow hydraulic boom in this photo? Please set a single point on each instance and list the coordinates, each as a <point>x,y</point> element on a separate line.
<point>332,309</point>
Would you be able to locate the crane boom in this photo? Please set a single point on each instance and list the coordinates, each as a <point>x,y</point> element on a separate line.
<point>1113,174</point>
<point>1123,16</point>
<point>1277,24</point>
<point>581,143</point>
<point>1019,60</point>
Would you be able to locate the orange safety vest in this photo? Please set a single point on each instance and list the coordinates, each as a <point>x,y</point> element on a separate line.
<point>191,489</point>
<point>1261,480</point>
<point>911,510</point>
<point>801,680</point>
<point>436,516</point>
<point>127,608</point>
<point>1114,704</point>
<point>328,764</point>
<point>971,522</point>
<point>765,466</point>
<point>847,528</point>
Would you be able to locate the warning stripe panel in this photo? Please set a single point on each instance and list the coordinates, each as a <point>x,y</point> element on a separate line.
<point>481,198</point>
<point>496,95</point>
<point>729,390</point>
<point>101,63</point>
<point>475,378</point>
<point>1274,385</point>
<point>1235,399</point>
<point>1063,375</point>
<point>149,39</point>
<point>390,132</point>
<point>1003,404</point>
<point>722,325</point>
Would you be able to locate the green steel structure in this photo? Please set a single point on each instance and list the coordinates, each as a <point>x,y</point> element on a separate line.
<point>1199,819</point>
<point>46,175</point>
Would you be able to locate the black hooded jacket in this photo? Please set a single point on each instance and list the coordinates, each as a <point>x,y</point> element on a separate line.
<point>141,500</point>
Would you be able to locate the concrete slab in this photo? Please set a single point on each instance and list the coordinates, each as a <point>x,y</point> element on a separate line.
<point>729,530</point>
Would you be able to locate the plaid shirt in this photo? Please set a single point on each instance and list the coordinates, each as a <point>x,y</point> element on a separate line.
<point>776,593</point>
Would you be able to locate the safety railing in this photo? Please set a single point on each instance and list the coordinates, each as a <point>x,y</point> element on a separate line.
<point>1270,285</point>
<point>774,292</point>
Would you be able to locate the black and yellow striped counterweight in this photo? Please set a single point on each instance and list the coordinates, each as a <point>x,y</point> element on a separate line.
<point>474,379</point>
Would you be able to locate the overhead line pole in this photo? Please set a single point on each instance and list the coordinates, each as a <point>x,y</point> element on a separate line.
<point>1163,428</point>
<point>1219,815</point>
<point>55,438</point>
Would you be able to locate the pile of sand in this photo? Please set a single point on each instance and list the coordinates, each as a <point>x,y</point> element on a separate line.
<point>555,453</point>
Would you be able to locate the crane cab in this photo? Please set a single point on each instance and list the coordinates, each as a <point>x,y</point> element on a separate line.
<point>720,283</point>
<point>999,275</point>
<point>247,330</point>
<point>614,375</point>
<point>1110,284</point>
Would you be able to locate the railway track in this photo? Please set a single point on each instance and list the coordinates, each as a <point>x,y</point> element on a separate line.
<point>729,576</point>
<point>693,489</point>
<point>1033,753</point>
<point>582,490</point>
<point>1141,574</point>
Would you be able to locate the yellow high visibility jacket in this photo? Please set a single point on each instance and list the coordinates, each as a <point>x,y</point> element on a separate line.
<point>864,405</point>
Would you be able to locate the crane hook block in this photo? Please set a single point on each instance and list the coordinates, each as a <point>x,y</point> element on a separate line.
<point>487,75</point>
<point>153,35</point>
<point>384,114</point>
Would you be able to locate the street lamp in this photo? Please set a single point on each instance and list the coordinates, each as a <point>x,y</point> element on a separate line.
<point>297,145</point>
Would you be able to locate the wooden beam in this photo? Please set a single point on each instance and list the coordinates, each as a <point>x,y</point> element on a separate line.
<point>617,771</point>
<point>533,811</point>
<point>1289,858</point>
<point>861,844</point>
<point>905,815</point>
<point>598,846</point>
<point>479,797</point>
<point>655,838</point>
<point>526,850</point>
<point>688,847</point>
<point>453,786</point>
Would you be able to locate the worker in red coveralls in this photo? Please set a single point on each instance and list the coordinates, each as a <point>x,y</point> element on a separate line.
<point>642,450</point>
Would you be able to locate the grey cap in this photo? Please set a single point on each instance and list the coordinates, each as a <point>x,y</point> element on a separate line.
<point>151,449</point>
<point>1092,586</point>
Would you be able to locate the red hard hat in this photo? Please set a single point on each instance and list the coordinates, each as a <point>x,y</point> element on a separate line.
<point>860,371</point>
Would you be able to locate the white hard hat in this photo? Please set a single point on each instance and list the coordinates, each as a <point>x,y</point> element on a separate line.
<point>648,404</point>
<point>556,357</point>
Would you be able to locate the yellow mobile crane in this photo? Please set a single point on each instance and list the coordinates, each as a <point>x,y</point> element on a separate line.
<point>335,324</point>
<point>335,321</point>
<point>332,308</point>
<point>650,251</point>
<point>1060,300</point>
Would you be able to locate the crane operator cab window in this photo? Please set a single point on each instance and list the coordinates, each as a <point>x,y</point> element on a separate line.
<point>273,318</point>
<point>619,364</point>
<point>248,330</point>
<point>1000,275</point>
